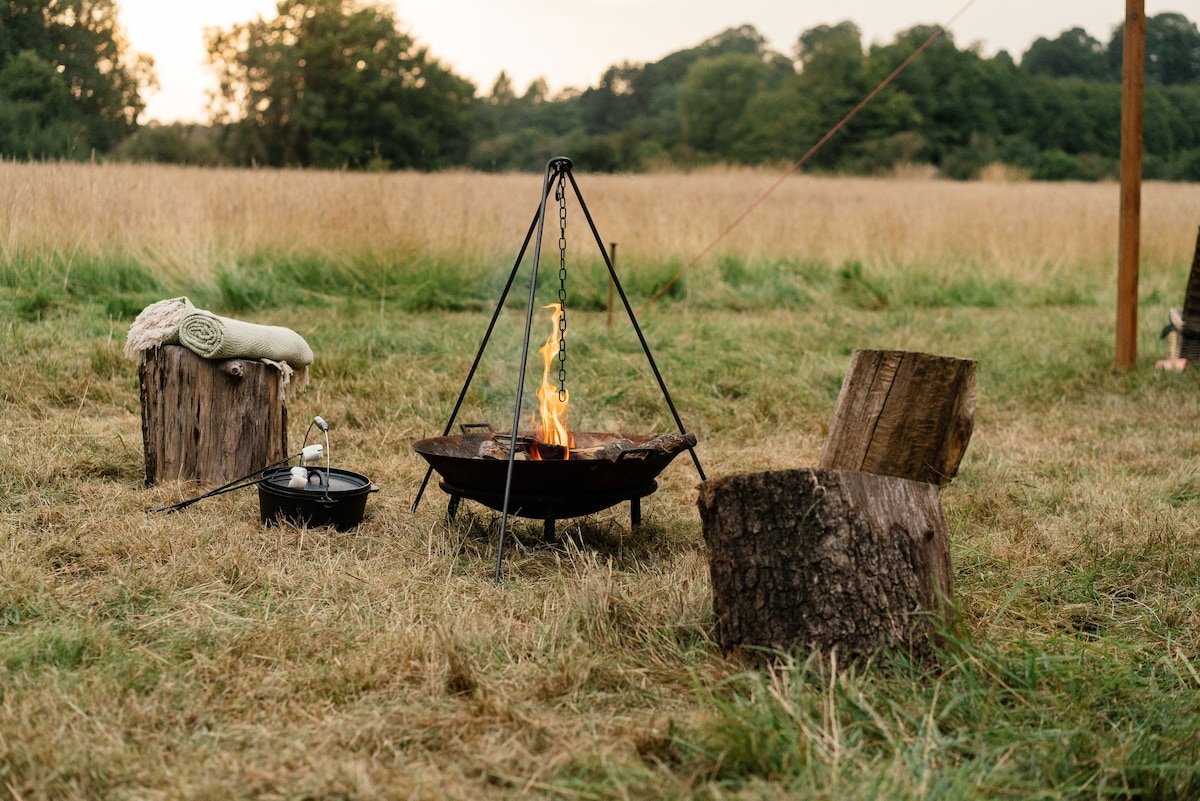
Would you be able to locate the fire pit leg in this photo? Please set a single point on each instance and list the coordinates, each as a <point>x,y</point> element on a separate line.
<point>635,512</point>
<point>452,507</point>
<point>548,529</point>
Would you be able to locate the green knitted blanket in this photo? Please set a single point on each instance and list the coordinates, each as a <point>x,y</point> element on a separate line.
<point>177,321</point>
<point>215,337</point>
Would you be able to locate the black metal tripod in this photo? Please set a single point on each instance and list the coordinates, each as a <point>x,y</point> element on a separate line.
<point>558,172</point>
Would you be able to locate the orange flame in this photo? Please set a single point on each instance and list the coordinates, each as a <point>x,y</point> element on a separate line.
<point>552,428</point>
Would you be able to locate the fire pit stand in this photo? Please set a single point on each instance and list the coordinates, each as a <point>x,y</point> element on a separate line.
<point>551,506</point>
<point>549,489</point>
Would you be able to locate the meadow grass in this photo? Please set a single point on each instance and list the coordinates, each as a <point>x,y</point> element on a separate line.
<point>202,656</point>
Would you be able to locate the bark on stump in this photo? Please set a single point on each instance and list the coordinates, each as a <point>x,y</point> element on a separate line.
<point>902,414</point>
<point>817,559</point>
<point>209,420</point>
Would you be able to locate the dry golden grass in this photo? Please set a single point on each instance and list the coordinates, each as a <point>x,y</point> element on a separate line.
<point>189,222</point>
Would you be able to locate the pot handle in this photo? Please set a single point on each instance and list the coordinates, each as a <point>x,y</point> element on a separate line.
<point>373,488</point>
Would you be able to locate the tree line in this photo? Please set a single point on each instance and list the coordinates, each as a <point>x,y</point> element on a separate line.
<point>339,84</point>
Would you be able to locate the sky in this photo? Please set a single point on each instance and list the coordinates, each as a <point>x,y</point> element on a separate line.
<point>572,42</point>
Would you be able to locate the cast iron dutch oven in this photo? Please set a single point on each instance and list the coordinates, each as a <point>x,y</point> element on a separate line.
<point>332,497</point>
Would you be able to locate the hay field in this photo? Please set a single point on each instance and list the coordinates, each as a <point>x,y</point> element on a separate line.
<point>184,221</point>
<point>202,656</point>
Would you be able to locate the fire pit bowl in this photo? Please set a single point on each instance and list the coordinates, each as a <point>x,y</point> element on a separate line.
<point>553,488</point>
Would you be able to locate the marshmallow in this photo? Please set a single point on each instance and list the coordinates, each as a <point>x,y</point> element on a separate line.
<point>312,453</point>
<point>299,478</point>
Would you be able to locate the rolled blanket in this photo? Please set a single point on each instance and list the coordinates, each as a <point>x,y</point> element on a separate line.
<point>215,337</point>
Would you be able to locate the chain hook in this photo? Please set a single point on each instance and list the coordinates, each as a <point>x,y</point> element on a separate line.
<point>561,195</point>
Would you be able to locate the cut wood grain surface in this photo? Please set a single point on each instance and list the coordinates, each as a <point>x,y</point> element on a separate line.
<point>902,414</point>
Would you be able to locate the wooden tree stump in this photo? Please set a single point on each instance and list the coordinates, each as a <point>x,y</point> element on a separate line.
<point>819,559</point>
<point>209,420</point>
<point>902,414</point>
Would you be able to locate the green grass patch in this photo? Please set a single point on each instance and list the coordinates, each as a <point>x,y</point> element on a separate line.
<point>1056,719</point>
<point>37,650</point>
<point>34,288</point>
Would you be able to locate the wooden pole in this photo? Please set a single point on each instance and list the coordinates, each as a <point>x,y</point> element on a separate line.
<point>1133,85</point>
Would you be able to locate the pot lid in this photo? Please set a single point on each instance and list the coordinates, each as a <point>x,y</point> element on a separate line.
<point>320,480</point>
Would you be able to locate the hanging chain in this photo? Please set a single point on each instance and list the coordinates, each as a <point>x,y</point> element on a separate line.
<point>562,287</point>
